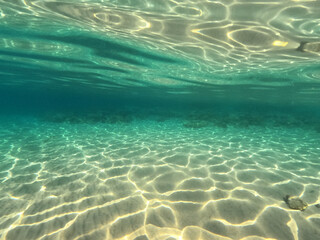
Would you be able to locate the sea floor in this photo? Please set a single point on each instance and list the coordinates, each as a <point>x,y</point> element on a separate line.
<point>156,180</point>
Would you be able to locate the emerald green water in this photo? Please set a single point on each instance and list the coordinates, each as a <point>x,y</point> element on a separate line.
<point>151,120</point>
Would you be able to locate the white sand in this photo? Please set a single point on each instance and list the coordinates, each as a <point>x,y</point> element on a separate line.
<point>151,180</point>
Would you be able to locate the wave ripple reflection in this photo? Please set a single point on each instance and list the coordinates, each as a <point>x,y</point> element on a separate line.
<point>176,44</point>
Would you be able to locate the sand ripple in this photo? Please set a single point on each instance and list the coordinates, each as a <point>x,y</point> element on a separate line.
<point>156,180</point>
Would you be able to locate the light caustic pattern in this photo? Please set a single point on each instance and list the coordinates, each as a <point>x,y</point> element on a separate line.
<point>152,180</point>
<point>225,37</point>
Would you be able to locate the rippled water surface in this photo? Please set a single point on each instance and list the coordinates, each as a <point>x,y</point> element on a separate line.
<point>159,119</point>
<point>181,47</point>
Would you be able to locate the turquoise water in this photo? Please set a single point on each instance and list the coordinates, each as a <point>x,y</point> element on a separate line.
<point>151,120</point>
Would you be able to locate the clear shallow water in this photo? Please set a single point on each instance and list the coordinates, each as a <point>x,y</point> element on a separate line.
<point>140,120</point>
<point>156,179</point>
<point>209,48</point>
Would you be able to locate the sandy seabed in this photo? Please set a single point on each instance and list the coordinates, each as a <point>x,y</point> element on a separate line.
<point>156,180</point>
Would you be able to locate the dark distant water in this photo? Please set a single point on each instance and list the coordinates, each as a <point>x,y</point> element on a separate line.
<point>150,119</point>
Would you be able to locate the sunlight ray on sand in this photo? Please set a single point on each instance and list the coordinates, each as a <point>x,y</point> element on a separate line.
<point>186,187</point>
